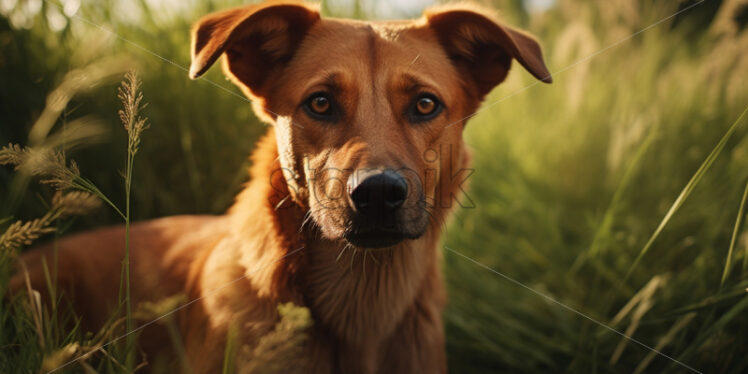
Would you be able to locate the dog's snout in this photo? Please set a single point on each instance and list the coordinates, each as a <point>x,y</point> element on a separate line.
<point>377,193</point>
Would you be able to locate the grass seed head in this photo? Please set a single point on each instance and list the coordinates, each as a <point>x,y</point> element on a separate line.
<point>76,203</point>
<point>132,103</point>
<point>22,233</point>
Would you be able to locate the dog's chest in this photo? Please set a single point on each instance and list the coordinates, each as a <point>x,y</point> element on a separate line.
<point>360,296</point>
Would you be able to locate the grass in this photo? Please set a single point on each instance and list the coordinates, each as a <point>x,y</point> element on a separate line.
<point>734,240</point>
<point>619,191</point>
<point>131,97</point>
<point>47,161</point>
<point>571,186</point>
<point>686,192</point>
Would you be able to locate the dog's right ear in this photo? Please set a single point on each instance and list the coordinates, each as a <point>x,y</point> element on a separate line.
<point>257,40</point>
<point>482,47</point>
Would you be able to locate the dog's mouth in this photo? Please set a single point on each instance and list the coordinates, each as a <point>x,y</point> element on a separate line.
<point>374,238</point>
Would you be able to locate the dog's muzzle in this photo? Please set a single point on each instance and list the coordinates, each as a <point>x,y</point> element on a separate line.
<point>376,197</point>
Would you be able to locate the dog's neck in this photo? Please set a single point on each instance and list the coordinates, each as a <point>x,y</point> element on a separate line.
<point>358,296</point>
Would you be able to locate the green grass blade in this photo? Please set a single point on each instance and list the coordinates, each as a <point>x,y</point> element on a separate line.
<point>734,239</point>
<point>695,179</point>
<point>229,354</point>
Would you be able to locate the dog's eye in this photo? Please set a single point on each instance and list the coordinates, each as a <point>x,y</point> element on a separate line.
<point>319,106</point>
<point>424,108</point>
<point>425,105</point>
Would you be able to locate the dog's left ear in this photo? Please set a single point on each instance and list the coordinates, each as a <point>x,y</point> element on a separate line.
<point>257,39</point>
<point>482,48</point>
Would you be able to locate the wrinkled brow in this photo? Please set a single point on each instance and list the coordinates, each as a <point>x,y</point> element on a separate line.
<point>412,84</point>
<point>329,80</point>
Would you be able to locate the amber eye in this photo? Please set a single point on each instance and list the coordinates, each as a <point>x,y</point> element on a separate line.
<point>319,104</point>
<point>321,107</point>
<point>425,105</point>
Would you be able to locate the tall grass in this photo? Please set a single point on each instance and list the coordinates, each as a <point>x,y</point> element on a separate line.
<point>48,161</point>
<point>131,97</point>
<point>576,184</point>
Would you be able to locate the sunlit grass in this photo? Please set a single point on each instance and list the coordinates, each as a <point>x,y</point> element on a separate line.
<point>571,184</point>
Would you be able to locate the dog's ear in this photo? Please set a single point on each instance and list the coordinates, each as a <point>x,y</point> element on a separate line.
<point>482,48</point>
<point>257,40</point>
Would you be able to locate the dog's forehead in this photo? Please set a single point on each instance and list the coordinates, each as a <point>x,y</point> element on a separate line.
<point>343,39</point>
<point>365,51</point>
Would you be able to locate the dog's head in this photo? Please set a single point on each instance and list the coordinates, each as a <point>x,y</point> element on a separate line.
<point>368,115</point>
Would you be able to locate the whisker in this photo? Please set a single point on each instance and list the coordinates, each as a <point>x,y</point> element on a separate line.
<point>353,258</point>
<point>307,218</point>
<point>277,206</point>
<point>374,258</point>
<point>346,246</point>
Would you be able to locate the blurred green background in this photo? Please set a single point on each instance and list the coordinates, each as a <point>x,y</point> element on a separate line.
<point>571,180</point>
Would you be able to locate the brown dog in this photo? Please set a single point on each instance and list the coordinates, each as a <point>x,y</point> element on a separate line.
<point>362,161</point>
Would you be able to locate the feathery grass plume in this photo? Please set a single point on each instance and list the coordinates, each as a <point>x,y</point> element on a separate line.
<point>76,203</point>
<point>52,166</point>
<point>13,154</point>
<point>131,97</point>
<point>45,163</point>
<point>279,350</point>
<point>22,233</point>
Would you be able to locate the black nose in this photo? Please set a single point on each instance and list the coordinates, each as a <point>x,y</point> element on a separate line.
<point>377,193</point>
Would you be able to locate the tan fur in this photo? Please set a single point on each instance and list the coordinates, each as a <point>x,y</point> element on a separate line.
<point>374,310</point>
